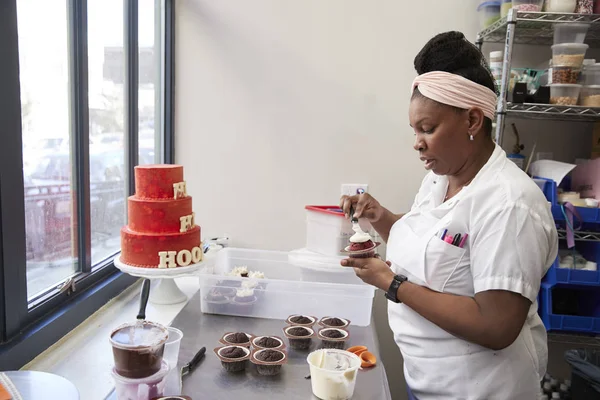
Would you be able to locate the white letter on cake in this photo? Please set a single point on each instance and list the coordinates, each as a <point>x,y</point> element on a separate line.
<point>196,255</point>
<point>179,190</point>
<point>184,258</point>
<point>167,259</point>
<point>187,222</point>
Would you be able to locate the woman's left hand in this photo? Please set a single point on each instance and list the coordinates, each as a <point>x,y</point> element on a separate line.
<point>373,271</point>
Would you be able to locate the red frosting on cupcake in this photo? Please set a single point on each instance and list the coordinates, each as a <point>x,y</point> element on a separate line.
<point>361,246</point>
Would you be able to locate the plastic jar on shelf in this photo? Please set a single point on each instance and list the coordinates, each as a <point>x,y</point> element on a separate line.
<point>565,74</point>
<point>496,60</point>
<point>591,75</point>
<point>561,6</point>
<point>570,32</point>
<point>489,12</point>
<point>564,94</point>
<point>528,5</point>
<point>569,54</point>
<point>506,5</point>
<point>585,7</point>
<point>590,96</point>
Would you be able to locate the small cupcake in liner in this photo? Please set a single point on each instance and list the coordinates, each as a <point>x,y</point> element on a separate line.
<point>243,302</point>
<point>361,244</point>
<point>233,358</point>
<point>333,338</point>
<point>334,322</point>
<point>301,320</point>
<point>268,342</point>
<point>300,337</point>
<point>236,339</point>
<point>268,361</point>
<point>217,300</point>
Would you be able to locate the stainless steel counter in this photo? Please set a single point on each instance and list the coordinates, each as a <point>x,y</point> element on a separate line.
<point>210,381</point>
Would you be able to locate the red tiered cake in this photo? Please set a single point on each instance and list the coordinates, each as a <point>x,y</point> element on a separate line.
<point>161,231</point>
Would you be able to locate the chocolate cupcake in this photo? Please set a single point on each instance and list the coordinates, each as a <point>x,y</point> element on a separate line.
<point>334,322</point>
<point>268,342</point>
<point>236,339</point>
<point>300,337</point>
<point>233,358</point>
<point>216,301</point>
<point>333,338</point>
<point>301,320</point>
<point>268,362</point>
<point>243,302</point>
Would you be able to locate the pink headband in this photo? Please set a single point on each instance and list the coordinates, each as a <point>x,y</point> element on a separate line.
<point>454,90</point>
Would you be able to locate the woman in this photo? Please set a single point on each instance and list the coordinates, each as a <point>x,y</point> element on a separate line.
<point>463,308</point>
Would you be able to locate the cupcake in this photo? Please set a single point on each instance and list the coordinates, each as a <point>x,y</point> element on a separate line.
<point>333,338</point>
<point>233,358</point>
<point>216,301</point>
<point>237,339</point>
<point>268,362</point>
<point>244,300</point>
<point>300,337</point>
<point>361,245</point>
<point>334,322</point>
<point>301,320</point>
<point>267,342</point>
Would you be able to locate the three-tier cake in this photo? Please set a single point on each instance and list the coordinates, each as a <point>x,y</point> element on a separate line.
<point>161,230</point>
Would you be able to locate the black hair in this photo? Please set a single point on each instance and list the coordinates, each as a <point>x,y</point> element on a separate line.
<point>452,52</point>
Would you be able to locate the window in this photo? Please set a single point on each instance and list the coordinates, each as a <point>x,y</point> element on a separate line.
<point>85,97</point>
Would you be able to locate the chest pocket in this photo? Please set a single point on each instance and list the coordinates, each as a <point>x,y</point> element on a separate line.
<point>443,263</point>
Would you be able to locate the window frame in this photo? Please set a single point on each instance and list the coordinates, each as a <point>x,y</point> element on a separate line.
<point>27,329</point>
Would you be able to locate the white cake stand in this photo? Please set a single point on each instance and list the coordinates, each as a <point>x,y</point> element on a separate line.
<point>166,291</point>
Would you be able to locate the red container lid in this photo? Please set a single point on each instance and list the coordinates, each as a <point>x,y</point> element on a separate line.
<point>331,210</point>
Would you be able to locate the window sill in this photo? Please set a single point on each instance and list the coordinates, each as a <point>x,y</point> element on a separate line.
<point>84,355</point>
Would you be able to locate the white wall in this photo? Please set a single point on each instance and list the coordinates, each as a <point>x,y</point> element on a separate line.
<point>278,102</point>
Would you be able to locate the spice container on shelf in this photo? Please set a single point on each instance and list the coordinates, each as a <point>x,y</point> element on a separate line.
<point>570,32</point>
<point>496,60</point>
<point>489,12</point>
<point>506,5</point>
<point>585,7</point>
<point>590,96</point>
<point>564,94</point>
<point>591,74</point>
<point>565,74</point>
<point>561,6</point>
<point>569,54</point>
<point>528,5</point>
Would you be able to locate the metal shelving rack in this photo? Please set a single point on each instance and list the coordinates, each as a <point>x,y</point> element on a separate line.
<point>535,28</point>
<point>538,28</point>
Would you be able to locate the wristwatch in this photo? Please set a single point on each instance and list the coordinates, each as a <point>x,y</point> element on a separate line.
<point>392,293</point>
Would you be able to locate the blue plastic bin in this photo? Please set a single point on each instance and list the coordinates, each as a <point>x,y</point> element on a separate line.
<point>586,301</point>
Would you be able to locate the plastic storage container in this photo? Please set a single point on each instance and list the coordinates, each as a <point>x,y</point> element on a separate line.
<point>506,5</point>
<point>570,309</point>
<point>561,6</point>
<point>328,230</point>
<point>569,54</point>
<point>144,388</point>
<point>590,96</point>
<point>591,75</point>
<point>570,33</point>
<point>489,12</point>
<point>283,292</point>
<point>315,266</point>
<point>565,74</point>
<point>528,5</point>
<point>564,94</point>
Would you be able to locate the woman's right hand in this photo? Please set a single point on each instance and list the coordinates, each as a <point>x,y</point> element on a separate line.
<point>365,206</point>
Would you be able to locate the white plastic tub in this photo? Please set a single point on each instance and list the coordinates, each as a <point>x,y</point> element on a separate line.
<point>561,6</point>
<point>315,266</point>
<point>569,54</point>
<point>284,291</point>
<point>591,75</point>
<point>570,32</point>
<point>328,230</point>
<point>564,94</point>
<point>590,96</point>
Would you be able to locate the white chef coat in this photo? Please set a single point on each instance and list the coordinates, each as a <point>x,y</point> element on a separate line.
<point>511,244</point>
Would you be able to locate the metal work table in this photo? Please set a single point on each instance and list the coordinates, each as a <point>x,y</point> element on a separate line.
<point>210,380</point>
